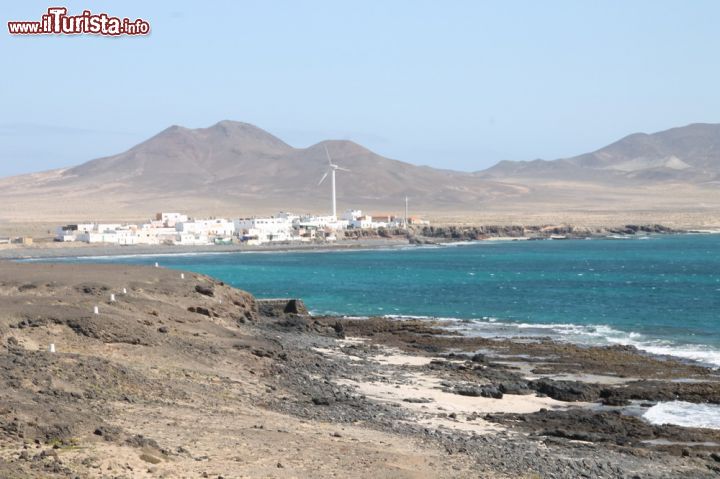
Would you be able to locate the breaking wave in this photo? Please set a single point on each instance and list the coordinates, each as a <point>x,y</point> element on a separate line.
<point>685,414</point>
<point>592,335</point>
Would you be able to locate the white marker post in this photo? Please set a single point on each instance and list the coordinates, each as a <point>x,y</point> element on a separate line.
<point>96,310</point>
<point>124,290</point>
<point>156,264</point>
<point>182,275</point>
<point>112,297</point>
<point>52,347</point>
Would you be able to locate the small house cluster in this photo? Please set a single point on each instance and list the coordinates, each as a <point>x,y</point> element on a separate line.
<point>179,229</point>
<point>166,228</point>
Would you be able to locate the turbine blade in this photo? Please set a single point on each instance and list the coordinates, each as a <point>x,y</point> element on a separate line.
<point>327,153</point>
<point>341,169</point>
<point>323,178</point>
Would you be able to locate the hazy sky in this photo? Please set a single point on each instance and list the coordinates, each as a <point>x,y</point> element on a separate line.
<point>455,84</point>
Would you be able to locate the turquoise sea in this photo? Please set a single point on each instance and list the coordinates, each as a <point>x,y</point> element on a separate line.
<point>659,293</point>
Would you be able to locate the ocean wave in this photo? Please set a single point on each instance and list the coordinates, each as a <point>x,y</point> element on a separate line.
<point>591,335</point>
<point>462,243</point>
<point>685,414</point>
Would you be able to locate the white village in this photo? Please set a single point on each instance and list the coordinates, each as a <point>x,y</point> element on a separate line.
<point>171,228</point>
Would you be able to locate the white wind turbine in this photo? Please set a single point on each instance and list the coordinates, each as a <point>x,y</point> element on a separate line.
<point>332,168</point>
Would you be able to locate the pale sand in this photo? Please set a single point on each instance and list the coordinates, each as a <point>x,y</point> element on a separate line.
<point>399,359</point>
<point>334,353</point>
<point>406,381</point>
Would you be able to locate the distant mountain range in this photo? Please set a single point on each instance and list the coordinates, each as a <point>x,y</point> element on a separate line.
<point>688,154</point>
<point>237,168</point>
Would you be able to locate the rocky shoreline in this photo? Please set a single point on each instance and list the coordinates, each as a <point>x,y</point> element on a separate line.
<point>353,240</point>
<point>474,233</point>
<point>189,377</point>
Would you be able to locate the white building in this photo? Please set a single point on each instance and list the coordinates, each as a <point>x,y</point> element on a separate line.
<point>213,227</point>
<point>98,237</point>
<point>323,222</point>
<point>150,234</point>
<point>170,219</point>
<point>166,228</point>
<point>264,230</point>
<point>127,236</point>
<point>88,232</point>
<point>362,222</point>
<point>71,232</point>
<point>191,239</point>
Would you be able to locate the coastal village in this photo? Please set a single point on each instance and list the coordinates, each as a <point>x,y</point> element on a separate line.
<point>179,229</point>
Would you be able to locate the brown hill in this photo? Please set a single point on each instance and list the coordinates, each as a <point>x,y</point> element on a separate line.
<point>234,169</point>
<point>237,168</point>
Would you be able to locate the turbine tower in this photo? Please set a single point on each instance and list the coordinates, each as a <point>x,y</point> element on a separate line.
<point>332,168</point>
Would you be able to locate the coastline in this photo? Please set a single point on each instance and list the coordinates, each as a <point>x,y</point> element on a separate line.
<point>442,236</point>
<point>61,250</point>
<point>316,395</point>
<point>586,334</point>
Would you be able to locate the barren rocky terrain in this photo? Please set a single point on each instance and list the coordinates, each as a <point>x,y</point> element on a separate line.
<point>188,377</point>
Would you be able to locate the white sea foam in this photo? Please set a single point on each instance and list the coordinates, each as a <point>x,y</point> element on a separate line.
<point>686,414</point>
<point>462,243</point>
<point>593,335</point>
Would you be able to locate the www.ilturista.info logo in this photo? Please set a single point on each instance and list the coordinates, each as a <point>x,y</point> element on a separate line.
<point>58,22</point>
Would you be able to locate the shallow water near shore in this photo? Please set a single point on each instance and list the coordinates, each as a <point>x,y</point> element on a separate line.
<point>661,294</point>
<point>684,413</point>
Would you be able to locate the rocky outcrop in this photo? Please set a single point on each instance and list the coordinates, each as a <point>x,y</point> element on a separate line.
<point>602,426</point>
<point>696,392</point>
<point>567,390</point>
<point>277,308</point>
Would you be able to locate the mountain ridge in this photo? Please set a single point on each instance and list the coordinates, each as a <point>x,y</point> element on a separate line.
<point>689,153</point>
<point>237,168</point>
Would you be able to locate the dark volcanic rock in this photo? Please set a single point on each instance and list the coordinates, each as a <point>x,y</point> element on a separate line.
<point>478,358</point>
<point>108,433</point>
<point>276,308</point>
<point>205,290</point>
<point>295,306</point>
<point>200,310</point>
<point>297,323</point>
<point>697,392</point>
<point>478,391</point>
<point>515,387</point>
<point>603,426</point>
<point>95,289</point>
<point>321,401</point>
<point>567,390</point>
